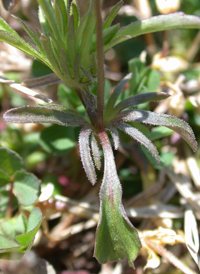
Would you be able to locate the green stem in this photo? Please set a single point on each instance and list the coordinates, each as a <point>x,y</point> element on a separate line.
<point>100,66</point>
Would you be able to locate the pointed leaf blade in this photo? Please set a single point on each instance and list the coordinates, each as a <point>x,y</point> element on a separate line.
<point>86,158</point>
<point>177,20</point>
<point>118,89</point>
<point>141,138</point>
<point>172,122</point>
<point>115,136</point>
<point>140,99</point>
<point>112,15</point>
<point>95,152</point>
<point>55,114</point>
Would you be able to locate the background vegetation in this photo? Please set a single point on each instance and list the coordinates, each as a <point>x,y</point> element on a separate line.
<point>162,200</point>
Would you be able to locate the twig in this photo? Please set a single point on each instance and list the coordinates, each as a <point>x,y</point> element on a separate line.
<point>170,257</point>
<point>25,90</point>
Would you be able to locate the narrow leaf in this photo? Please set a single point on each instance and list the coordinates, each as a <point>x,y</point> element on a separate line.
<point>86,158</point>
<point>87,36</point>
<point>49,14</point>
<point>141,138</point>
<point>115,136</point>
<point>55,114</point>
<point>177,20</point>
<point>30,33</point>
<point>140,99</point>
<point>95,152</point>
<point>112,15</point>
<point>114,96</point>
<point>22,45</point>
<point>108,34</point>
<point>115,41</point>
<point>74,10</point>
<point>71,53</point>
<point>47,47</point>
<point>172,122</point>
<point>116,237</point>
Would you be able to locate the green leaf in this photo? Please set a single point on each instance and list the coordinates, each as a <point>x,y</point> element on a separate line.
<point>20,224</point>
<point>4,179</point>
<point>49,14</point>
<point>140,137</point>
<point>136,66</point>
<point>112,15</point>
<point>39,69</point>
<point>57,139</point>
<point>74,10</point>
<point>4,200</point>
<point>159,132</point>
<point>26,187</point>
<point>30,33</point>
<point>7,230</point>
<point>116,237</point>
<point>115,136</point>
<point>50,113</point>
<point>8,245</point>
<point>10,161</point>
<point>114,96</point>
<point>172,122</point>
<point>47,47</point>
<point>153,80</point>
<point>34,223</point>
<point>86,158</point>
<point>108,34</point>
<point>95,152</point>
<point>140,99</point>
<point>86,41</point>
<point>177,20</point>
<point>21,45</point>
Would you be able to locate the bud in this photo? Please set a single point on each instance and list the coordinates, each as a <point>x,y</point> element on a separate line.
<point>168,6</point>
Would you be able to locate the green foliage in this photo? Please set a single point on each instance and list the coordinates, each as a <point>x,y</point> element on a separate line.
<point>69,45</point>
<point>17,233</point>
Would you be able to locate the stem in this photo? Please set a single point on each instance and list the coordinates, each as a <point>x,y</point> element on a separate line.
<point>9,208</point>
<point>89,105</point>
<point>100,66</point>
<point>170,257</point>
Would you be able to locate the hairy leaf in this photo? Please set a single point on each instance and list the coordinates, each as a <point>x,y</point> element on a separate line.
<point>95,152</point>
<point>177,20</point>
<point>140,137</point>
<point>172,122</point>
<point>115,136</point>
<point>140,99</point>
<point>116,237</point>
<point>52,113</point>
<point>86,158</point>
<point>114,96</point>
<point>112,15</point>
